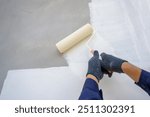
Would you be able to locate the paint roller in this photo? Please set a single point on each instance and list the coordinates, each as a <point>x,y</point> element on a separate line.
<point>74,38</point>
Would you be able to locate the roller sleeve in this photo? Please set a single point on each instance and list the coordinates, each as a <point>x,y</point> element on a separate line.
<point>74,38</point>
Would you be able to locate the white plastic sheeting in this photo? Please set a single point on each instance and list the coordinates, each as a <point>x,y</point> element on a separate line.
<point>121,29</point>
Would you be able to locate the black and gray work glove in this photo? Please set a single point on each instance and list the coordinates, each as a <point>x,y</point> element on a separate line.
<point>94,66</point>
<point>112,63</point>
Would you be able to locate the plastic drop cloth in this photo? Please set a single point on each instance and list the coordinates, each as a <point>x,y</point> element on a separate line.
<point>121,29</point>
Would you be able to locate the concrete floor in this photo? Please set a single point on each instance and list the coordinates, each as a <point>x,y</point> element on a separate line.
<point>29,30</point>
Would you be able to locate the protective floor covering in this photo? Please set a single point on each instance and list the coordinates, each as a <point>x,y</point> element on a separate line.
<point>122,29</point>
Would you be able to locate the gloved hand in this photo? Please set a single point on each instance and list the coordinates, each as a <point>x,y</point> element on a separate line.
<point>94,66</point>
<point>105,71</point>
<point>112,63</point>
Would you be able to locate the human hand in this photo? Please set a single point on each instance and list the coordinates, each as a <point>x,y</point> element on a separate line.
<point>94,66</point>
<point>112,63</point>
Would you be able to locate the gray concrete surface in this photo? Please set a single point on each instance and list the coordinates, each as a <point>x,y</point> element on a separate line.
<point>29,30</point>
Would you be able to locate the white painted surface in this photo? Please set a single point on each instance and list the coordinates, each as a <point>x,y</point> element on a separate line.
<point>124,24</point>
<point>50,83</point>
<point>120,30</point>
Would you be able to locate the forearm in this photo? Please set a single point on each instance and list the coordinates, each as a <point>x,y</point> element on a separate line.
<point>141,77</point>
<point>132,71</point>
<point>92,77</point>
<point>144,81</point>
<point>90,89</point>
